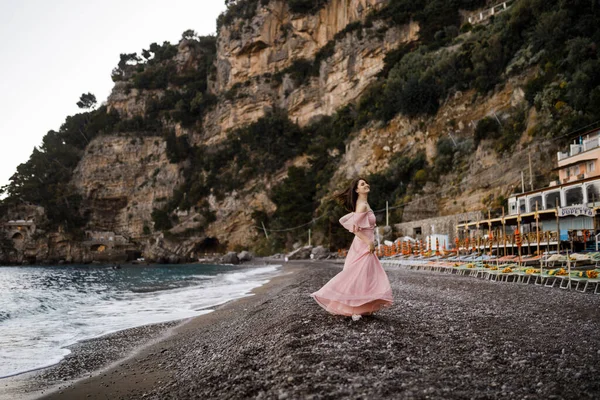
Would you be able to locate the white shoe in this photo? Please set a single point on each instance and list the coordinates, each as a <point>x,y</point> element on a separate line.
<point>356,317</point>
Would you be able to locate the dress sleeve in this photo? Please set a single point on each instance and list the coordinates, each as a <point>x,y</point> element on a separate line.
<point>354,222</point>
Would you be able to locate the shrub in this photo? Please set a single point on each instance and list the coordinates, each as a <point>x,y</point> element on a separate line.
<point>533,87</point>
<point>294,198</point>
<point>241,9</point>
<point>161,219</point>
<point>154,78</point>
<point>306,6</point>
<point>393,183</point>
<point>487,128</point>
<point>411,97</point>
<point>178,147</point>
<point>511,130</point>
<point>445,155</point>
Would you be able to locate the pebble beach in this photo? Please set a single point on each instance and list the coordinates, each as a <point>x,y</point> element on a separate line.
<point>446,336</point>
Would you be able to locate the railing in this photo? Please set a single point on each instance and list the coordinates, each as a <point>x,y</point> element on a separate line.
<point>570,183</point>
<point>527,239</point>
<point>575,149</point>
<point>591,143</point>
<point>486,14</point>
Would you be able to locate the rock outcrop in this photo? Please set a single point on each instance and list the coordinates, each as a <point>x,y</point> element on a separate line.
<point>124,176</point>
<point>122,179</point>
<point>274,40</point>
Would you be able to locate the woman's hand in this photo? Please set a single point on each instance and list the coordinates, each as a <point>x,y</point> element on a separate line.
<point>372,247</point>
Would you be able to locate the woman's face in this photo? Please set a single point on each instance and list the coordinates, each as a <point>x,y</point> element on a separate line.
<point>362,187</point>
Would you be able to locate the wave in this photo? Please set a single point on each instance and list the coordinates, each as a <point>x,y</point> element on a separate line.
<point>35,330</point>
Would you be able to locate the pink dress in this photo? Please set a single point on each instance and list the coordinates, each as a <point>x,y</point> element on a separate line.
<point>363,286</point>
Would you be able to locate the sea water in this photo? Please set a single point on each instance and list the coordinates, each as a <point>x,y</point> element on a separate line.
<point>45,309</point>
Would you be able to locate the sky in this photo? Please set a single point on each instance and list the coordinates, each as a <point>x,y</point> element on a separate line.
<point>53,51</point>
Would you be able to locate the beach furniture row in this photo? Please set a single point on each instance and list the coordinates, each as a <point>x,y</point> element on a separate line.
<point>579,272</point>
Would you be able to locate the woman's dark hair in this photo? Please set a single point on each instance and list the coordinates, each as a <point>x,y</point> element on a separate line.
<point>348,197</point>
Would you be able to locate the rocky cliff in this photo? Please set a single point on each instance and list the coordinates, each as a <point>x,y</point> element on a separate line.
<point>176,177</point>
<point>249,54</point>
<point>122,179</point>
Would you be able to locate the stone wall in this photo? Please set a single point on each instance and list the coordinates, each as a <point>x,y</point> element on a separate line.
<point>439,225</point>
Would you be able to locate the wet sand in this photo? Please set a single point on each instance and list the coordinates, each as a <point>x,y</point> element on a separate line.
<point>446,336</point>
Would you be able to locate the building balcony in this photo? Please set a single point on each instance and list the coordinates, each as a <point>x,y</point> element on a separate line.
<point>591,143</point>
<point>574,190</point>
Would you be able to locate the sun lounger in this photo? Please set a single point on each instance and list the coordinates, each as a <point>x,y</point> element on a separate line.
<point>531,260</point>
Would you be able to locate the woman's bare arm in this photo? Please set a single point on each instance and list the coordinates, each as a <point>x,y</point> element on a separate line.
<point>362,207</point>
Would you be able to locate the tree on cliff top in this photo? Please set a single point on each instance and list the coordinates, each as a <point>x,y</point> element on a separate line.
<point>189,34</point>
<point>87,101</point>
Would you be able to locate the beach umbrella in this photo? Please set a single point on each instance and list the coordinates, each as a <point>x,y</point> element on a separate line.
<point>518,242</point>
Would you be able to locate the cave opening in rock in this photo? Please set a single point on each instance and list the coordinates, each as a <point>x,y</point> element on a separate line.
<point>208,246</point>
<point>133,255</point>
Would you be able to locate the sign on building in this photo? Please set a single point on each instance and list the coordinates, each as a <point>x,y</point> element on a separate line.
<point>575,211</point>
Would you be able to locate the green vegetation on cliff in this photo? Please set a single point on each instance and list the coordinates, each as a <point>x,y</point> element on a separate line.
<point>555,42</point>
<point>557,39</point>
<point>185,95</point>
<point>45,178</point>
<point>245,10</point>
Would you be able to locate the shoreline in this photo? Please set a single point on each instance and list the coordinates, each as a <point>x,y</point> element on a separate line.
<point>251,263</point>
<point>445,337</point>
<point>90,357</point>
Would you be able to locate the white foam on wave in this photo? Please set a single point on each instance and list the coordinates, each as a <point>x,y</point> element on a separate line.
<point>32,339</point>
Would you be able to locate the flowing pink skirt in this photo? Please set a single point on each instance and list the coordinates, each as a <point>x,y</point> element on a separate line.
<point>361,288</point>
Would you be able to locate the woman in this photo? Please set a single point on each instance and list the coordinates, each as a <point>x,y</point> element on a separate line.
<point>362,287</point>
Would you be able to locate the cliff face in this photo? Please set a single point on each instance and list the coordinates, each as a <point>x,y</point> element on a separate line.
<point>122,179</point>
<point>308,65</point>
<point>489,175</point>
<point>250,53</point>
<point>275,38</point>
